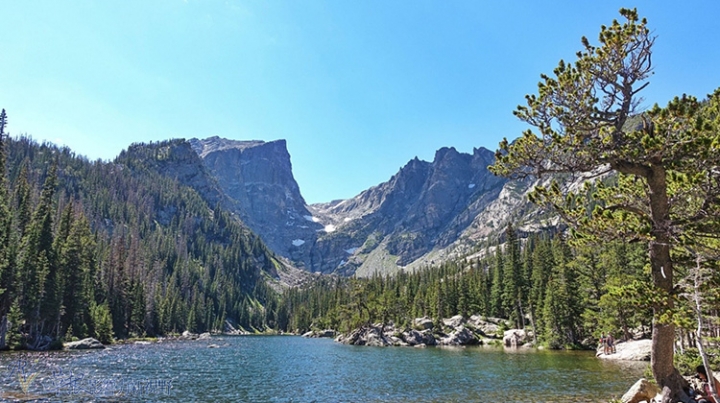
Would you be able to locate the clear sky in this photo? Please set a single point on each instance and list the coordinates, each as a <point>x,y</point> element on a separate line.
<point>357,88</point>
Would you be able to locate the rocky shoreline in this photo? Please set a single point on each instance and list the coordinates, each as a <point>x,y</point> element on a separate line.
<point>455,331</point>
<point>458,331</point>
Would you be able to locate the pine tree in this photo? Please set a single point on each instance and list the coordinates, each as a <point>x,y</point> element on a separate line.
<point>6,255</point>
<point>512,299</point>
<point>37,269</point>
<point>587,122</point>
<point>496,289</point>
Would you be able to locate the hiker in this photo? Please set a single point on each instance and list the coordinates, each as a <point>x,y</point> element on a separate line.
<point>704,395</point>
<point>604,343</point>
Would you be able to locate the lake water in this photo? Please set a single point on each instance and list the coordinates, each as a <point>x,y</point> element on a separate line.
<point>294,369</point>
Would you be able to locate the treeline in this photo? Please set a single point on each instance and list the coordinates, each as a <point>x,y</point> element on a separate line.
<point>565,293</point>
<point>122,249</point>
<point>108,249</point>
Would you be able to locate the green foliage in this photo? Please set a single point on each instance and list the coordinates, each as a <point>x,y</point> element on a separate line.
<point>585,121</point>
<point>689,359</point>
<point>15,338</point>
<point>560,284</point>
<point>102,323</point>
<point>118,249</point>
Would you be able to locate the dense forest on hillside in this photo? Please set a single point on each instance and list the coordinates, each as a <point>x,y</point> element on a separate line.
<point>569,294</point>
<point>108,249</point>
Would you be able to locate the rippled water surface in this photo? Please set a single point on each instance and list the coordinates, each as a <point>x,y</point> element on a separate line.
<point>293,369</point>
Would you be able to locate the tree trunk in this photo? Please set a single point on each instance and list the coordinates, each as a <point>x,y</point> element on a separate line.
<point>532,323</point>
<point>3,332</point>
<point>521,314</point>
<point>663,334</point>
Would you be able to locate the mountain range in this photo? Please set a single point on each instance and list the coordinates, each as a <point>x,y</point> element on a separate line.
<point>426,213</point>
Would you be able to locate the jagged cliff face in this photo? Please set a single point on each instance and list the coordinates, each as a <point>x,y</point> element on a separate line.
<point>426,213</point>
<point>423,208</point>
<point>258,177</point>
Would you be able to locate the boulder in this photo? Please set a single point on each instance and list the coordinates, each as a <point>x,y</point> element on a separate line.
<point>396,341</point>
<point>462,336</point>
<point>487,326</point>
<point>454,322</point>
<point>632,350</point>
<point>376,338</point>
<point>515,338</point>
<point>365,336</point>
<point>204,336</point>
<point>642,391</point>
<point>424,323</point>
<point>327,333</point>
<point>414,338</point>
<point>84,344</point>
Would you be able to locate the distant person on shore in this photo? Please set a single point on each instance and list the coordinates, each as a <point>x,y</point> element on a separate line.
<point>703,395</point>
<point>605,342</point>
<point>610,343</point>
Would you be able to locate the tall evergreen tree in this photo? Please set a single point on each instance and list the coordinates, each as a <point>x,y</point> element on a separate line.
<point>512,298</point>
<point>6,255</point>
<point>37,270</point>
<point>666,162</point>
<point>496,289</point>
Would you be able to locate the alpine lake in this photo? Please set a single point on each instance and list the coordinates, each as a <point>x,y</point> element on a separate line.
<point>296,369</point>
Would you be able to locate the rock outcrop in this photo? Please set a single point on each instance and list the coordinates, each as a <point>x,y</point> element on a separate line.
<point>257,176</point>
<point>414,337</point>
<point>486,326</point>
<point>84,344</point>
<point>370,335</point>
<point>515,338</point>
<point>455,331</point>
<point>461,336</point>
<point>632,350</point>
<point>318,334</point>
<point>424,207</point>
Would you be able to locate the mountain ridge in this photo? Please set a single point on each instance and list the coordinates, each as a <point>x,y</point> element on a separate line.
<point>425,213</point>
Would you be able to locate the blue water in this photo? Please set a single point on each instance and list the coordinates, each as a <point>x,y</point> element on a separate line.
<point>293,369</point>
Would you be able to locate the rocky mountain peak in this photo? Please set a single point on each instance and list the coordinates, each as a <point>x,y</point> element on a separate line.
<point>258,176</point>
<point>445,152</point>
<point>214,144</point>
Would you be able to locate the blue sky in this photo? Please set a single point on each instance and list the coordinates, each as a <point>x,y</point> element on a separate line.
<point>357,88</point>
